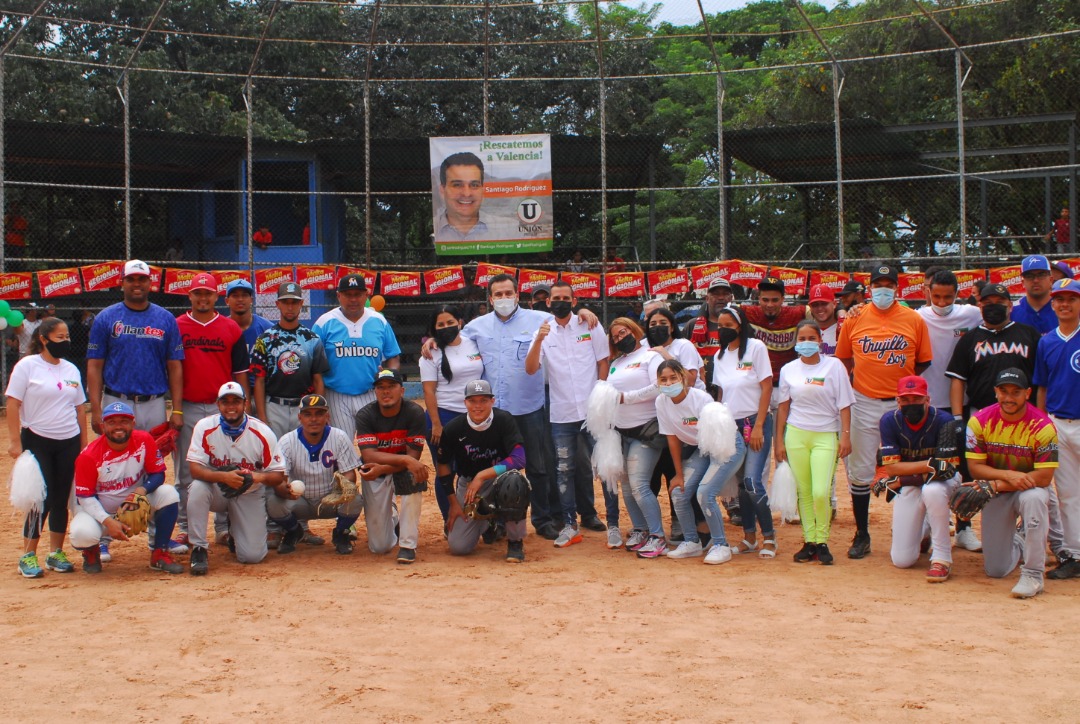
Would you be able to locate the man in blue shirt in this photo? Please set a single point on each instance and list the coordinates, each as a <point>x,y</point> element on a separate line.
<point>1034,309</point>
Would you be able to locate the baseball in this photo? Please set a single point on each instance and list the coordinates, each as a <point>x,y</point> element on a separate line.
<point>296,487</point>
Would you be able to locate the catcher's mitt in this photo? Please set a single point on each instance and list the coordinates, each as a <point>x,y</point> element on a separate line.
<point>970,498</point>
<point>134,514</point>
<point>405,484</point>
<point>230,492</point>
<point>165,437</point>
<point>947,455</point>
<point>343,492</point>
<point>505,498</point>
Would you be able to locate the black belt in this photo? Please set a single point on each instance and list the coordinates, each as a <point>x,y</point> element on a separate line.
<point>885,399</point>
<point>133,398</point>
<point>287,401</point>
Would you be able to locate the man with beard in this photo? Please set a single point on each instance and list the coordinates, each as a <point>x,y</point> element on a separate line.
<point>852,295</point>
<point>773,322</point>
<point>823,311</point>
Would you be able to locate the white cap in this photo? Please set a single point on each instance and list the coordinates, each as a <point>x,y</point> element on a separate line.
<point>136,266</point>
<point>230,388</point>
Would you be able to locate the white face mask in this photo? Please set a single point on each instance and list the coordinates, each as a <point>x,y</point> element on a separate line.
<point>481,426</point>
<point>504,307</point>
<point>942,311</point>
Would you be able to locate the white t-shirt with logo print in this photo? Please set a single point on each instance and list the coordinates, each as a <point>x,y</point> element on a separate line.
<point>681,419</point>
<point>740,379</point>
<point>817,393</point>
<point>465,365</point>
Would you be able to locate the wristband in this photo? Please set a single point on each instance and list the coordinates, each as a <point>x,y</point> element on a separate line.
<point>178,412</point>
<point>499,469</point>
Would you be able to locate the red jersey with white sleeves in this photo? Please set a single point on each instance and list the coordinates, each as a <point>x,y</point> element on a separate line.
<point>252,450</point>
<point>109,474</point>
<point>213,353</point>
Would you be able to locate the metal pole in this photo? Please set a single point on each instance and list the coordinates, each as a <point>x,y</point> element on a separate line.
<point>1072,188</point>
<point>249,181</point>
<point>127,164</point>
<point>838,85</point>
<point>961,76</point>
<point>3,185</point>
<point>487,62</point>
<point>603,158</point>
<point>652,206</point>
<point>721,90</point>
<point>367,133</point>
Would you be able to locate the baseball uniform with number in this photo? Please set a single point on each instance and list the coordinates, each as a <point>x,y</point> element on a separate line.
<point>315,465</point>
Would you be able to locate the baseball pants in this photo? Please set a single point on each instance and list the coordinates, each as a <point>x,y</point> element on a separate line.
<point>148,415</point>
<point>861,464</point>
<point>1003,546</point>
<point>247,518</point>
<point>86,532</point>
<point>913,509</point>
<point>282,418</point>
<point>466,533</point>
<point>193,413</point>
<point>1066,488</point>
<point>343,408</point>
<point>278,508</point>
<point>377,498</point>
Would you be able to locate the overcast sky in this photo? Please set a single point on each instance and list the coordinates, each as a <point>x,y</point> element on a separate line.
<point>685,12</point>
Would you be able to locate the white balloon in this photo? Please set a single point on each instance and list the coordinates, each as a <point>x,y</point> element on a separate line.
<point>3,323</point>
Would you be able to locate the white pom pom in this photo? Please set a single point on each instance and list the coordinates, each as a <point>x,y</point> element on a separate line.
<point>607,458</point>
<point>784,498</point>
<point>716,432</point>
<point>27,484</point>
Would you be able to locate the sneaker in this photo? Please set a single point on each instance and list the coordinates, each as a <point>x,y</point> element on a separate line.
<point>860,546</point>
<point>28,566</point>
<point>92,557</point>
<point>614,537</point>
<point>288,541</point>
<point>938,572</point>
<point>515,551</point>
<point>351,532</point>
<point>405,556</point>
<point>160,560</point>
<point>718,555</point>
<point>221,537</point>
<point>182,537</point>
<point>548,531</point>
<point>273,539</point>
<point>807,553</point>
<point>736,518</point>
<point>568,536</point>
<point>637,539</point>
<point>174,546</point>
<point>59,562</point>
<point>1068,568</point>
<point>655,547</point>
<point>686,549</point>
<point>676,532</point>
<point>593,523</point>
<point>312,539</point>
<point>1027,586</point>
<point>106,557</point>
<point>342,542</point>
<point>488,536</point>
<point>824,555</point>
<point>967,540</point>
<point>200,561</point>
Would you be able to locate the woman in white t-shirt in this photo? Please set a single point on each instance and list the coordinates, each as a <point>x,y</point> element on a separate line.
<point>664,336</point>
<point>633,373</point>
<point>45,416</point>
<point>813,430</point>
<point>743,374</point>
<point>678,409</point>
<point>454,362</point>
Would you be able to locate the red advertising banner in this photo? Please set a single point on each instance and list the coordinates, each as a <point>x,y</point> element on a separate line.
<point>703,274</point>
<point>794,279</point>
<point>625,284</point>
<point>225,277</point>
<point>966,279</point>
<point>745,273</point>
<point>400,284</point>
<point>862,278</point>
<point>156,273</point>
<point>102,276</point>
<point>1009,276</point>
<point>485,271</point>
<point>268,280</point>
<point>445,279</point>
<point>177,281</point>
<point>584,284</point>
<point>833,280</point>
<point>16,285</point>
<point>528,279</point>
<point>910,286</point>
<point>668,281</point>
<point>1074,266</point>
<point>369,275</point>
<point>59,282</point>
<point>316,276</point>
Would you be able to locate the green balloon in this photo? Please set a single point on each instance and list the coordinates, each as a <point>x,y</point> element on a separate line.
<point>14,317</point>
<point>4,308</point>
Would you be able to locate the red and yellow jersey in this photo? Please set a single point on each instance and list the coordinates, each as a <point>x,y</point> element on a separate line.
<point>885,347</point>
<point>778,334</point>
<point>1028,444</point>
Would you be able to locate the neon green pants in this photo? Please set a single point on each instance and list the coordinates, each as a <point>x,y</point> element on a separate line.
<point>812,457</point>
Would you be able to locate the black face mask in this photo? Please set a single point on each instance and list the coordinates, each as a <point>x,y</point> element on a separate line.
<point>994,314</point>
<point>540,306</point>
<point>727,336</point>
<point>561,309</point>
<point>658,335</point>
<point>446,335</point>
<point>626,344</point>
<point>58,349</point>
<point>913,413</point>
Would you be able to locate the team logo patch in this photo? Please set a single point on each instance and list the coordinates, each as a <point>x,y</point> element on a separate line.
<point>745,366</point>
<point>1074,361</point>
<point>289,362</point>
<point>816,381</point>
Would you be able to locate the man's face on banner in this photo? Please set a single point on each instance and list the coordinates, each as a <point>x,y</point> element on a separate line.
<point>463,193</point>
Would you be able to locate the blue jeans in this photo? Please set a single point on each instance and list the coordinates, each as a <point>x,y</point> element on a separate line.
<point>566,435</point>
<point>704,478</point>
<point>753,498</point>
<point>441,498</point>
<point>641,502</point>
<point>534,428</point>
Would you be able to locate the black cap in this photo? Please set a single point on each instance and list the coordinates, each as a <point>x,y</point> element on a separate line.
<point>541,288</point>
<point>771,284</point>
<point>854,288</point>
<point>389,375</point>
<point>314,402</point>
<point>290,290</point>
<point>351,282</point>
<point>885,272</point>
<point>1012,376</point>
<point>994,290</point>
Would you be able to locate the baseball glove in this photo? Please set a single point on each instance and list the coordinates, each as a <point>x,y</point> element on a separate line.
<point>405,484</point>
<point>505,498</point>
<point>134,514</point>
<point>343,492</point>
<point>230,492</point>
<point>947,455</point>
<point>970,498</point>
<point>165,437</point>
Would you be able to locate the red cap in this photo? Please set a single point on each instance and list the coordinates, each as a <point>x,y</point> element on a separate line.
<point>822,293</point>
<point>203,280</point>
<point>911,385</point>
